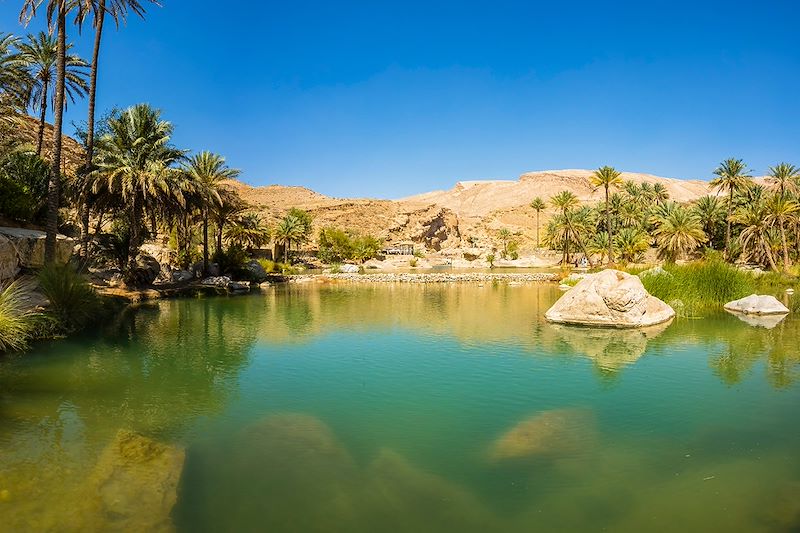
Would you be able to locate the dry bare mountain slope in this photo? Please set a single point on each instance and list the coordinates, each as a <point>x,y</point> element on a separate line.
<point>471,211</point>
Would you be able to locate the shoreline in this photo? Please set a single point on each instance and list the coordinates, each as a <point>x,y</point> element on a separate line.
<point>430,277</point>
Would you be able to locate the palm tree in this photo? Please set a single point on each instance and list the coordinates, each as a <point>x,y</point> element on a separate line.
<point>755,236</point>
<point>135,168</point>
<point>39,53</point>
<point>781,212</point>
<point>289,230</point>
<point>679,231</point>
<point>118,10</point>
<point>538,205</point>
<point>598,245</point>
<point>607,177</point>
<point>230,206</point>
<point>208,173</point>
<point>14,78</point>
<point>784,178</point>
<point>660,193</point>
<point>732,177</point>
<point>711,213</point>
<point>505,236</point>
<point>248,231</point>
<point>632,243</point>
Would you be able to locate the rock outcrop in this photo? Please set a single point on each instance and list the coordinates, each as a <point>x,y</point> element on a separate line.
<point>546,433</point>
<point>28,245</point>
<point>9,262</point>
<point>756,304</point>
<point>144,272</point>
<point>610,298</point>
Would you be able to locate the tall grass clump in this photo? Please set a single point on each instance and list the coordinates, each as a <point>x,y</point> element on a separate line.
<point>16,322</point>
<point>699,287</point>
<point>73,301</point>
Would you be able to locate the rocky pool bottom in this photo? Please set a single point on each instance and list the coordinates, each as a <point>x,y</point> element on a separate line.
<point>401,407</point>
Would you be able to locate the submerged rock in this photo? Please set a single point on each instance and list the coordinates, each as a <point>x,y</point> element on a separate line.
<point>545,433</point>
<point>757,305</point>
<point>610,298</point>
<point>134,485</point>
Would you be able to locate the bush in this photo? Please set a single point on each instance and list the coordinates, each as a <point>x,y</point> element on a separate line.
<point>232,261</point>
<point>336,246</point>
<point>16,323</point>
<point>23,186</point>
<point>73,301</point>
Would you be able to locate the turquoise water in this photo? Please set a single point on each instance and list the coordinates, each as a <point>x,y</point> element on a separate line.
<point>412,408</point>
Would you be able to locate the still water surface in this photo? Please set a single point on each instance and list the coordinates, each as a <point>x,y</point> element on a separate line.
<point>413,408</point>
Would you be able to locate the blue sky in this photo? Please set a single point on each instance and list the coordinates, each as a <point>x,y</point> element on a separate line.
<point>388,99</point>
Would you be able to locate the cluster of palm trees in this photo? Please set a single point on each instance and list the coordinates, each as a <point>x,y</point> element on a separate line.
<point>40,73</point>
<point>746,220</point>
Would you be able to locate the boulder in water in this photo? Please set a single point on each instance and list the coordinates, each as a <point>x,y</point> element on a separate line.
<point>756,304</point>
<point>610,298</point>
<point>545,433</point>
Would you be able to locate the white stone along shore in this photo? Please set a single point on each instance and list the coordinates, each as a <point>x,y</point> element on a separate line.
<point>430,277</point>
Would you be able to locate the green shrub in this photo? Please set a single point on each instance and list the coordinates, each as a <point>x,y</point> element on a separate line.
<point>268,265</point>
<point>16,323</point>
<point>702,286</point>
<point>73,301</point>
<point>232,261</point>
<point>336,246</point>
<point>490,260</point>
<point>412,262</point>
<point>23,186</point>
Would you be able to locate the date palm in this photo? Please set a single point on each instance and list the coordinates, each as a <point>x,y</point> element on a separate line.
<point>784,179</point>
<point>711,213</point>
<point>538,205</point>
<point>632,242</point>
<point>118,11</point>
<point>290,230</point>
<point>14,78</point>
<point>755,236</point>
<point>39,52</point>
<point>732,177</point>
<point>208,173</point>
<point>56,15</point>
<point>505,235</point>
<point>781,211</point>
<point>679,231</point>
<point>135,168</point>
<point>607,177</point>
<point>660,193</point>
<point>248,231</point>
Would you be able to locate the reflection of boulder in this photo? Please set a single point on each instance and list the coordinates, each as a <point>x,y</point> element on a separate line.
<point>756,304</point>
<point>760,321</point>
<point>611,349</point>
<point>134,485</point>
<point>610,298</point>
<point>545,433</point>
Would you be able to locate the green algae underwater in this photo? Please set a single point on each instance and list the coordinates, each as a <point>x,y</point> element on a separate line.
<point>451,407</point>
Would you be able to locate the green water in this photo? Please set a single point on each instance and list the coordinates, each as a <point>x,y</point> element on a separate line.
<point>413,408</point>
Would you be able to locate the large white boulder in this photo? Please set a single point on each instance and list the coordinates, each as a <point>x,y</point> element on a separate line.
<point>756,304</point>
<point>610,298</point>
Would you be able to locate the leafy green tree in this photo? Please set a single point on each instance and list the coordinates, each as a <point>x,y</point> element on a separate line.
<point>732,177</point>
<point>781,212</point>
<point>39,52</point>
<point>607,177</point>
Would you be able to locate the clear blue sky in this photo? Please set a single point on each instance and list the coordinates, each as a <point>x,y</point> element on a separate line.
<point>388,99</point>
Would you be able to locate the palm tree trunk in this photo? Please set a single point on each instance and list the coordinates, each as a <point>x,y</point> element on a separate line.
<point>54,187</point>
<point>133,244</point>
<point>85,208</point>
<point>728,229</point>
<point>205,243</point>
<point>42,117</point>
<point>219,235</point>
<point>537,229</point>
<point>770,259</point>
<point>608,228</point>
<point>786,262</point>
<point>286,251</point>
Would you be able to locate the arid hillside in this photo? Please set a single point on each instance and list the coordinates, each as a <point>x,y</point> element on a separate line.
<point>468,215</point>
